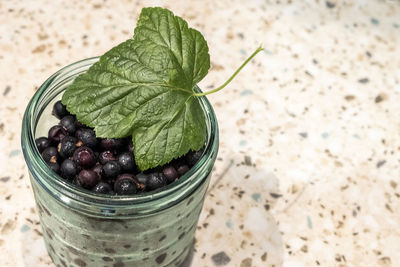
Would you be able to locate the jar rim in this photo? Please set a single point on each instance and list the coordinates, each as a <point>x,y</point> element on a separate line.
<point>67,192</point>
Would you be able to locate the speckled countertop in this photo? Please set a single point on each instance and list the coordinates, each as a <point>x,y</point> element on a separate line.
<point>308,168</point>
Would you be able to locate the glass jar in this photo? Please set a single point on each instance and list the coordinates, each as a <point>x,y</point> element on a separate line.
<point>81,228</point>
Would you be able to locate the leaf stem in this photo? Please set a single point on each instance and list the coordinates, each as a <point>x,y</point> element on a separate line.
<point>259,49</point>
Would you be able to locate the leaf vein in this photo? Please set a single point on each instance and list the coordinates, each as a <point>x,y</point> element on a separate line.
<point>165,45</point>
<point>168,122</point>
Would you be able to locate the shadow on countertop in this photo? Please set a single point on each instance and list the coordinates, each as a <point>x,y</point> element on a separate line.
<point>236,227</point>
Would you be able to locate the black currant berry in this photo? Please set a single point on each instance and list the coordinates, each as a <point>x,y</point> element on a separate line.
<point>54,166</point>
<point>125,185</point>
<point>102,188</point>
<point>98,169</point>
<point>170,173</point>
<point>182,169</point>
<point>67,146</point>
<point>88,178</point>
<point>142,178</point>
<point>193,156</point>
<point>126,161</point>
<point>59,110</point>
<point>155,180</point>
<point>87,136</point>
<point>106,156</point>
<point>68,123</point>
<point>68,169</point>
<point>111,170</point>
<point>56,134</point>
<point>84,157</point>
<point>42,143</point>
<point>79,124</point>
<point>112,144</point>
<point>50,154</point>
<point>78,131</point>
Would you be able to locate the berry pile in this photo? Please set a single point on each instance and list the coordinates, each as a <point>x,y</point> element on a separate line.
<point>104,166</point>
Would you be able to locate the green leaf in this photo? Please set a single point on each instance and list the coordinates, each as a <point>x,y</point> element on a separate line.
<point>187,46</point>
<point>144,87</point>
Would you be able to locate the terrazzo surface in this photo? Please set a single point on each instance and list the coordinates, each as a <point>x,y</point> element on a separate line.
<point>308,168</point>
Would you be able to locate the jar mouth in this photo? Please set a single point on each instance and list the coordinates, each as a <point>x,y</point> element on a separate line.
<point>68,192</point>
